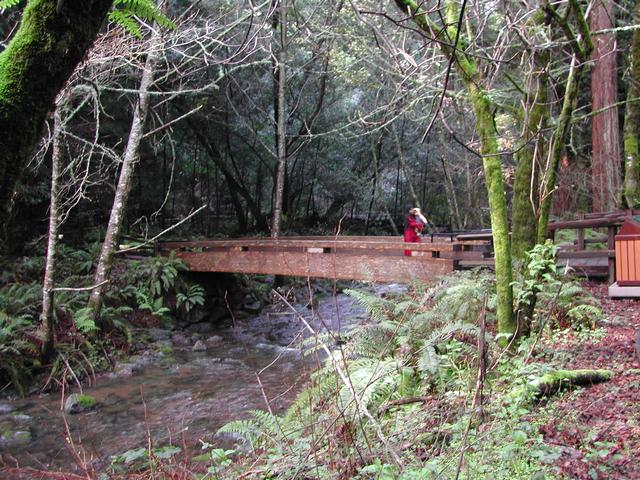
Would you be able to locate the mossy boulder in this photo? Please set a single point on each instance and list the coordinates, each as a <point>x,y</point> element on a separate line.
<point>78,403</point>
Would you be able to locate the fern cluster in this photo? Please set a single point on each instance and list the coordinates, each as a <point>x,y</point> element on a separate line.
<point>126,13</point>
<point>400,353</point>
<point>18,351</point>
<point>560,301</point>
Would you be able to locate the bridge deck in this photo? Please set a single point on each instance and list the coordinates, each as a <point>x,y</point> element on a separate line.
<point>377,259</point>
<point>382,259</point>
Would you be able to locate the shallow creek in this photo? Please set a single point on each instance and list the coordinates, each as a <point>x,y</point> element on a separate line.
<point>181,396</point>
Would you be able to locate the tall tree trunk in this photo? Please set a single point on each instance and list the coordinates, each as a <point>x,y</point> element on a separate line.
<point>632,121</point>
<point>483,109</point>
<point>52,39</point>
<point>281,123</point>
<point>526,183</point>
<point>131,156</point>
<point>604,124</point>
<point>582,51</point>
<point>47,313</point>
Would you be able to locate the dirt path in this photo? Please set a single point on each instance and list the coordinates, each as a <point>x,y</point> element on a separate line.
<point>598,428</point>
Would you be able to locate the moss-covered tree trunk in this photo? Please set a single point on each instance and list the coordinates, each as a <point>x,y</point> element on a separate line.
<point>525,188</point>
<point>582,47</point>
<point>631,122</point>
<point>281,120</point>
<point>483,109</point>
<point>52,39</point>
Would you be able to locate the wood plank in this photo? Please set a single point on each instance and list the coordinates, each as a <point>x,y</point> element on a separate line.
<point>396,245</point>
<point>603,253</point>
<point>354,267</point>
<point>618,249</point>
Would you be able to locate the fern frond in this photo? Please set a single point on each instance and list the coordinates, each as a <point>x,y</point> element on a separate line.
<point>429,361</point>
<point>8,3</point>
<point>448,331</point>
<point>368,377</point>
<point>83,320</point>
<point>373,341</point>
<point>125,11</point>
<point>375,306</point>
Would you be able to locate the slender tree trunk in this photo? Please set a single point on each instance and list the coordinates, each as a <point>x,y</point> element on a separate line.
<point>559,138</point>
<point>582,48</point>
<point>52,39</point>
<point>281,123</point>
<point>415,201</point>
<point>452,199</point>
<point>604,124</point>
<point>47,326</point>
<point>632,121</point>
<point>131,157</point>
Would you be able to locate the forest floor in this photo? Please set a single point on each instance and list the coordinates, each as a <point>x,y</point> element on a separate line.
<point>598,428</point>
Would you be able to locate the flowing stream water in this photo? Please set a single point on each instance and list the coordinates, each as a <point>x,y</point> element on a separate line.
<point>180,397</point>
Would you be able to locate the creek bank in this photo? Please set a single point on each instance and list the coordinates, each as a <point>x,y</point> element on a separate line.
<point>167,390</point>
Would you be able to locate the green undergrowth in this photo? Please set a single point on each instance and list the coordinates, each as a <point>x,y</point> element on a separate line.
<point>151,289</point>
<point>401,397</point>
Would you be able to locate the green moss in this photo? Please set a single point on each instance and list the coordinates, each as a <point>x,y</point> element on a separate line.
<point>86,401</point>
<point>166,349</point>
<point>22,436</point>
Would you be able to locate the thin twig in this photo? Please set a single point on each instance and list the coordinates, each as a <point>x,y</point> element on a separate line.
<point>167,230</point>
<point>78,289</point>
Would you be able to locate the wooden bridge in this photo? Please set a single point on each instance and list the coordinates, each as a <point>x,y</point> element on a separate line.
<point>376,259</point>
<point>383,259</point>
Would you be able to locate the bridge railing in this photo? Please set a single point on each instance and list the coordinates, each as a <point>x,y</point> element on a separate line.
<point>595,256</point>
<point>378,259</point>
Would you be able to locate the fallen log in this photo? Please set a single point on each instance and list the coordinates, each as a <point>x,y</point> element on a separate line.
<point>557,380</point>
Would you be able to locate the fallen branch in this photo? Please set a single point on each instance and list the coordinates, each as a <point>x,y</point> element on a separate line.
<point>402,401</point>
<point>42,474</point>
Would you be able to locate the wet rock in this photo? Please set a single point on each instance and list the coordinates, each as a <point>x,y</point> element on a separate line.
<point>200,328</point>
<point>163,347</point>
<point>214,340</point>
<point>143,360</point>
<point>20,418</point>
<point>5,408</point>
<point>252,307</point>
<point>180,340</point>
<point>135,363</point>
<point>78,403</point>
<point>199,346</point>
<point>158,334</point>
<point>9,437</point>
<point>122,370</point>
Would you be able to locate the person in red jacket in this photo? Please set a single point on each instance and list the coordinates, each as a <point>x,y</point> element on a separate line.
<point>414,223</point>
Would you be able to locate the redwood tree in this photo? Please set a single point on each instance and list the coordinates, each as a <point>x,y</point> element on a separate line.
<point>605,138</point>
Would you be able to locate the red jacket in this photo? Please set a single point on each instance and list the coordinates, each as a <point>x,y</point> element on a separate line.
<point>414,226</point>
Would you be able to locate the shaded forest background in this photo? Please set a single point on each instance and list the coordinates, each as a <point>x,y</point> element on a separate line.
<point>376,120</point>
